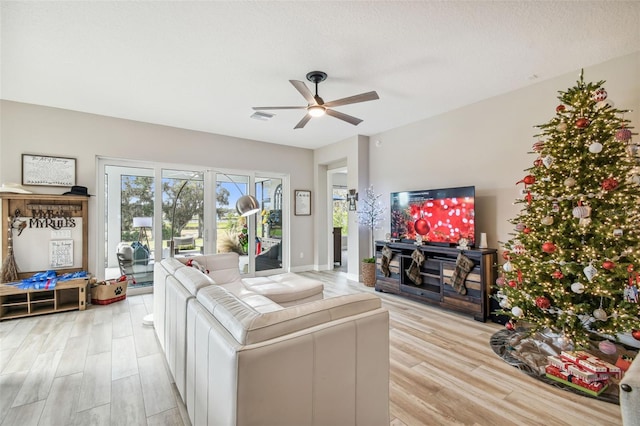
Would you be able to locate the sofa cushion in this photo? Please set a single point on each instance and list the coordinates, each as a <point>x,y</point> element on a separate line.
<point>238,289</point>
<point>287,287</point>
<point>222,267</point>
<point>171,264</point>
<point>193,280</point>
<point>207,297</point>
<point>248,326</point>
<point>630,394</point>
<point>230,311</point>
<point>261,304</point>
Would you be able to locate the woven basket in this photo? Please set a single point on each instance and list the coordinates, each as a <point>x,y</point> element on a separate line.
<point>369,274</point>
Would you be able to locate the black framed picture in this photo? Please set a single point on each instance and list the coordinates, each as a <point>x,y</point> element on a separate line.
<point>302,202</point>
<point>45,170</point>
<point>352,197</point>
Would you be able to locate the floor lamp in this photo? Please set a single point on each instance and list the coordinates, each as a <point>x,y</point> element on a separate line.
<point>143,223</point>
<point>245,206</point>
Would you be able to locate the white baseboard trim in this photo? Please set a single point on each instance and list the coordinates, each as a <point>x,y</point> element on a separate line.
<point>303,268</point>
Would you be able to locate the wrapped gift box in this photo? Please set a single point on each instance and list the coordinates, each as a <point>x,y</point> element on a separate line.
<point>558,362</point>
<point>574,356</point>
<point>582,371</point>
<point>591,363</point>
<point>576,369</point>
<point>594,388</point>
<point>585,375</point>
<point>624,362</point>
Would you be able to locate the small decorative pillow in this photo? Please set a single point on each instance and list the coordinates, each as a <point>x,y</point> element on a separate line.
<point>195,264</point>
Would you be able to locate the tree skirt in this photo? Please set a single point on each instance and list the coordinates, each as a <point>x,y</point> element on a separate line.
<point>528,353</point>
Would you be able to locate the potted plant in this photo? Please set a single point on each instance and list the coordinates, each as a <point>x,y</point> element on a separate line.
<point>370,215</point>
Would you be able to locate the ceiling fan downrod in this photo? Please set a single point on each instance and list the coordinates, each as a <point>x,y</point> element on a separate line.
<point>317,77</point>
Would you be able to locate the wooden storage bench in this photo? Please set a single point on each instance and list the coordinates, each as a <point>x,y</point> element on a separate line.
<point>66,296</point>
<point>42,215</point>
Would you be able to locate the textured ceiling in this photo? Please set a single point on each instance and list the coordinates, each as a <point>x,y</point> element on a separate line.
<point>203,65</point>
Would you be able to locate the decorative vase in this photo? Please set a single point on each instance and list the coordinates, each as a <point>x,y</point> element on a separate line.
<point>483,240</point>
<point>369,274</point>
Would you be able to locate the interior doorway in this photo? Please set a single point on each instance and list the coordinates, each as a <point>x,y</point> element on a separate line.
<point>340,218</point>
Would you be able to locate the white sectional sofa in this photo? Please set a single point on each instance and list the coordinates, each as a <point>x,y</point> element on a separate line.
<point>630,395</point>
<point>240,358</point>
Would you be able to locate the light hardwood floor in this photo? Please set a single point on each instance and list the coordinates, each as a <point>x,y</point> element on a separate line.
<point>103,367</point>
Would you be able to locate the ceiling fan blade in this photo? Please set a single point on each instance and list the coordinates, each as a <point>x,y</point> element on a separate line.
<point>303,122</point>
<point>362,97</point>
<point>283,107</point>
<point>343,116</point>
<point>304,91</point>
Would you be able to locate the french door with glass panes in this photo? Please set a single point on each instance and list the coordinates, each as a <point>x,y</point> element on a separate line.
<point>269,225</point>
<point>155,211</point>
<point>258,239</point>
<point>129,201</point>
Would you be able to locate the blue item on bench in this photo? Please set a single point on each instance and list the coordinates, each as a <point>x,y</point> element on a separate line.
<point>47,280</point>
<point>49,284</point>
<point>41,276</point>
<point>36,279</point>
<point>73,275</point>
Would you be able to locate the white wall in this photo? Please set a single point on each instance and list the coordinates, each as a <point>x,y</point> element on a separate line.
<point>33,129</point>
<point>486,144</point>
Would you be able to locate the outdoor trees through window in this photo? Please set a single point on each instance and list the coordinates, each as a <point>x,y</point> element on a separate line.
<point>136,201</point>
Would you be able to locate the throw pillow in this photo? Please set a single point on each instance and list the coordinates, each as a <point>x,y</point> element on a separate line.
<point>198,266</point>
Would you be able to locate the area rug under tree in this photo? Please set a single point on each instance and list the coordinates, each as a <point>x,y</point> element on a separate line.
<point>528,353</point>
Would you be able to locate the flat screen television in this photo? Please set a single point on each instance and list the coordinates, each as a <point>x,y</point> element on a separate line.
<point>439,216</point>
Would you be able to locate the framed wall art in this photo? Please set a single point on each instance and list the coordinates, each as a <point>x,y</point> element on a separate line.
<point>302,200</point>
<point>352,197</point>
<point>48,171</point>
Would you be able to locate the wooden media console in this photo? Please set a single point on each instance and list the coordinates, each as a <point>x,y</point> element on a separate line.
<point>435,272</point>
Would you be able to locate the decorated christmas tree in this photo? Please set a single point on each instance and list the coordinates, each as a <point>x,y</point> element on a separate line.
<point>572,264</point>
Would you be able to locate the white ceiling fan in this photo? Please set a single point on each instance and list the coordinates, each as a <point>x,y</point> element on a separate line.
<point>317,107</point>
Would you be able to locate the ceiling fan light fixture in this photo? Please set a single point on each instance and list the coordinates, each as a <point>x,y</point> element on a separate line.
<point>316,110</point>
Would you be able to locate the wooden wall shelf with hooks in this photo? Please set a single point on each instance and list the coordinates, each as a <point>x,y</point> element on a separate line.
<point>42,219</point>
